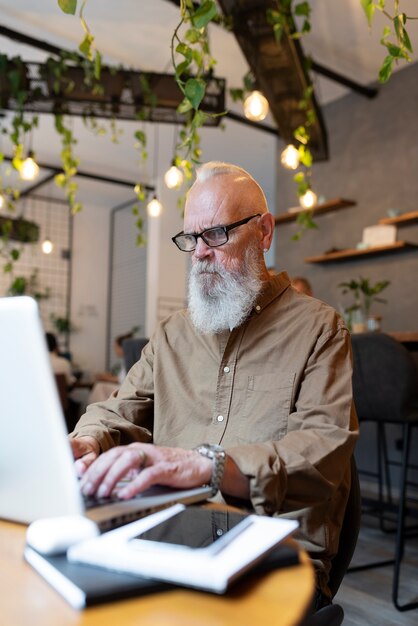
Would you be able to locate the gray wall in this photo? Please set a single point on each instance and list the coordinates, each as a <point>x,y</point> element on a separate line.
<point>374,161</point>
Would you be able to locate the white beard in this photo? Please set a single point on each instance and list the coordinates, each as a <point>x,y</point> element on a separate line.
<point>221,300</point>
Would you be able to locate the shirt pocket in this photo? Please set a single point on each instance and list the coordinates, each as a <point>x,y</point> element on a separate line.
<point>268,399</point>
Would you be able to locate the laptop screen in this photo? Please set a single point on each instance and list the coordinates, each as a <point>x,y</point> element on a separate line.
<point>37,477</point>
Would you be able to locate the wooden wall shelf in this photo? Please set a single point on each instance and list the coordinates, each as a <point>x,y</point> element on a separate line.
<point>326,207</point>
<point>401,220</point>
<point>342,255</point>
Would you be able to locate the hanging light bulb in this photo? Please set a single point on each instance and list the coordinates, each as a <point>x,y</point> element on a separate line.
<point>173,177</point>
<point>256,106</point>
<point>29,169</point>
<point>47,246</point>
<point>154,207</point>
<point>308,200</point>
<point>289,158</point>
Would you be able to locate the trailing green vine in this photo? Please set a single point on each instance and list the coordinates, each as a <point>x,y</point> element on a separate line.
<point>190,42</point>
<point>395,37</point>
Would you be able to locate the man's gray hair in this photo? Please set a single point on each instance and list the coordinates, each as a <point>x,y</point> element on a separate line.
<point>217,168</point>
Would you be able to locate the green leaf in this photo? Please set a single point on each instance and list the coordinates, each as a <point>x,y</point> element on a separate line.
<point>236,94</point>
<point>368,8</point>
<point>195,91</point>
<point>192,35</point>
<point>97,65</point>
<point>386,69</point>
<point>185,51</point>
<point>85,46</point>
<point>303,9</point>
<point>141,137</point>
<point>204,14</point>
<point>299,177</point>
<point>185,106</point>
<point>68,6</point>
<point>394,51</point>
<point>305,156</point>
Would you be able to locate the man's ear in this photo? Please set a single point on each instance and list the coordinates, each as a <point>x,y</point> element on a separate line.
<point>267,224</point>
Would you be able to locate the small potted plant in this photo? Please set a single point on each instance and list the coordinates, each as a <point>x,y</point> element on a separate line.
<point>358,315</point>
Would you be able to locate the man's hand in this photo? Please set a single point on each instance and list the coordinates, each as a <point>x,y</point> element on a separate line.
<point>146,465</point>
<point>85,451</point>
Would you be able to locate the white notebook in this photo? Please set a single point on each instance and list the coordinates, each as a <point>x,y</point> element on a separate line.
<point>196,547</point>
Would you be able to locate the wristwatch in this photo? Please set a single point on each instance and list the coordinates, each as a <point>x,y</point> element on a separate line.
<point>218,457</point>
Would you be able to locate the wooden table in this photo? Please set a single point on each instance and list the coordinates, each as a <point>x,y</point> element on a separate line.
<point>408,338</point>
<point>281,598</point>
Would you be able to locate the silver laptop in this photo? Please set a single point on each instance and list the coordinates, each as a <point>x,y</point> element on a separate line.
<point>37,475</point>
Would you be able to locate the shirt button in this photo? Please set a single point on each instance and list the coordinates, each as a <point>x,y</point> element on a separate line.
<point>226,370</point>
<point>258,307</point>
<point>220,418</point>
<point>219,532</point>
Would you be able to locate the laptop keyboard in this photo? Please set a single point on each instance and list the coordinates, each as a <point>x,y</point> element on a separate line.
<point>92,501</point>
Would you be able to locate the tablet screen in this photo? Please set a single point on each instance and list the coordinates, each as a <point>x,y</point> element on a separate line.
<point>195,527</point>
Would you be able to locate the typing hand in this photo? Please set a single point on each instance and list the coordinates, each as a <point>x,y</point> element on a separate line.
<point>147,465</point>
<point>85,451</point>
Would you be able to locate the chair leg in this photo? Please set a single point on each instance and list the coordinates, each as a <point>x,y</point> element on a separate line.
<point>400,533</point>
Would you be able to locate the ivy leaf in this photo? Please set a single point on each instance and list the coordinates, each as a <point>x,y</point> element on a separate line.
<point>185,51</point>
<point>195,91</point>
<point>394,51</point>
<point>97,65</point>
<point>236,94</point>
<point>85,46</point>
<point>68,6</point>
<point>368,8</point>
<point>204,14</point>
<point>192,35</point>
<point>184,107</point>
<point>303,9</point>
<point>386,69</point>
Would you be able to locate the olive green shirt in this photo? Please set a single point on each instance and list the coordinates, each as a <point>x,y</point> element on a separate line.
<point>275,393</point>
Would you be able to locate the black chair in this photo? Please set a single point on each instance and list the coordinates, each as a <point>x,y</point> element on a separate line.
<point>385,392</point>
<point>333,614</point>
<point>132,349</point>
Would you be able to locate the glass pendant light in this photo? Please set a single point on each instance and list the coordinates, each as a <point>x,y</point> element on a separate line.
<point>256,106</point>
<point>154,207</point>
<point>289,158</point>
<point>29,169</point>
<point>173,177</point>
<point>308,200</point>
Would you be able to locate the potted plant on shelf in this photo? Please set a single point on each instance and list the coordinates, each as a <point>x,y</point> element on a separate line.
<point>358,315</point>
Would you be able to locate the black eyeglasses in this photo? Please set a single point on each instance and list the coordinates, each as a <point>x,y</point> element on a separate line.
<point>213,237</point>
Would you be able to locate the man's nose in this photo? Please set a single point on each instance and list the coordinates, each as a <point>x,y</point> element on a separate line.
<point>202,250</point>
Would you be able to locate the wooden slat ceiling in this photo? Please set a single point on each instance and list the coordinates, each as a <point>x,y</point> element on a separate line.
<point>279,69</point>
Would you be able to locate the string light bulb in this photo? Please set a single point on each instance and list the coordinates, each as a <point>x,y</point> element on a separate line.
<point>289,158</point>
<point>29,169</point>
<point>47,246</point>
<point>256,106</point>
<point>154,207</point>
<point>308,200</point>
<point>173,177</point>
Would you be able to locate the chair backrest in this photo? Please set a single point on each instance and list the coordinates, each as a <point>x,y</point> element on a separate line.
<point>349,533</point>
<point>384,377</point>
<point>132,349</point>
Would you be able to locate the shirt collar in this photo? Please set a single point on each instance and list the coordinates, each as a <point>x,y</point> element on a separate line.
<point>272,288</point>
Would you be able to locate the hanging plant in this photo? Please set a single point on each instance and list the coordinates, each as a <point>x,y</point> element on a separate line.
<point>193,66</point>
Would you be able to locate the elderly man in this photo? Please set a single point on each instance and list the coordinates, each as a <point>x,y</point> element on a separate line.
<point>249,389</point>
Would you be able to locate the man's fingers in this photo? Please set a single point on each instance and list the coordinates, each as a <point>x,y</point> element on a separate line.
<point>83,463</point>
<point>110,468</point>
